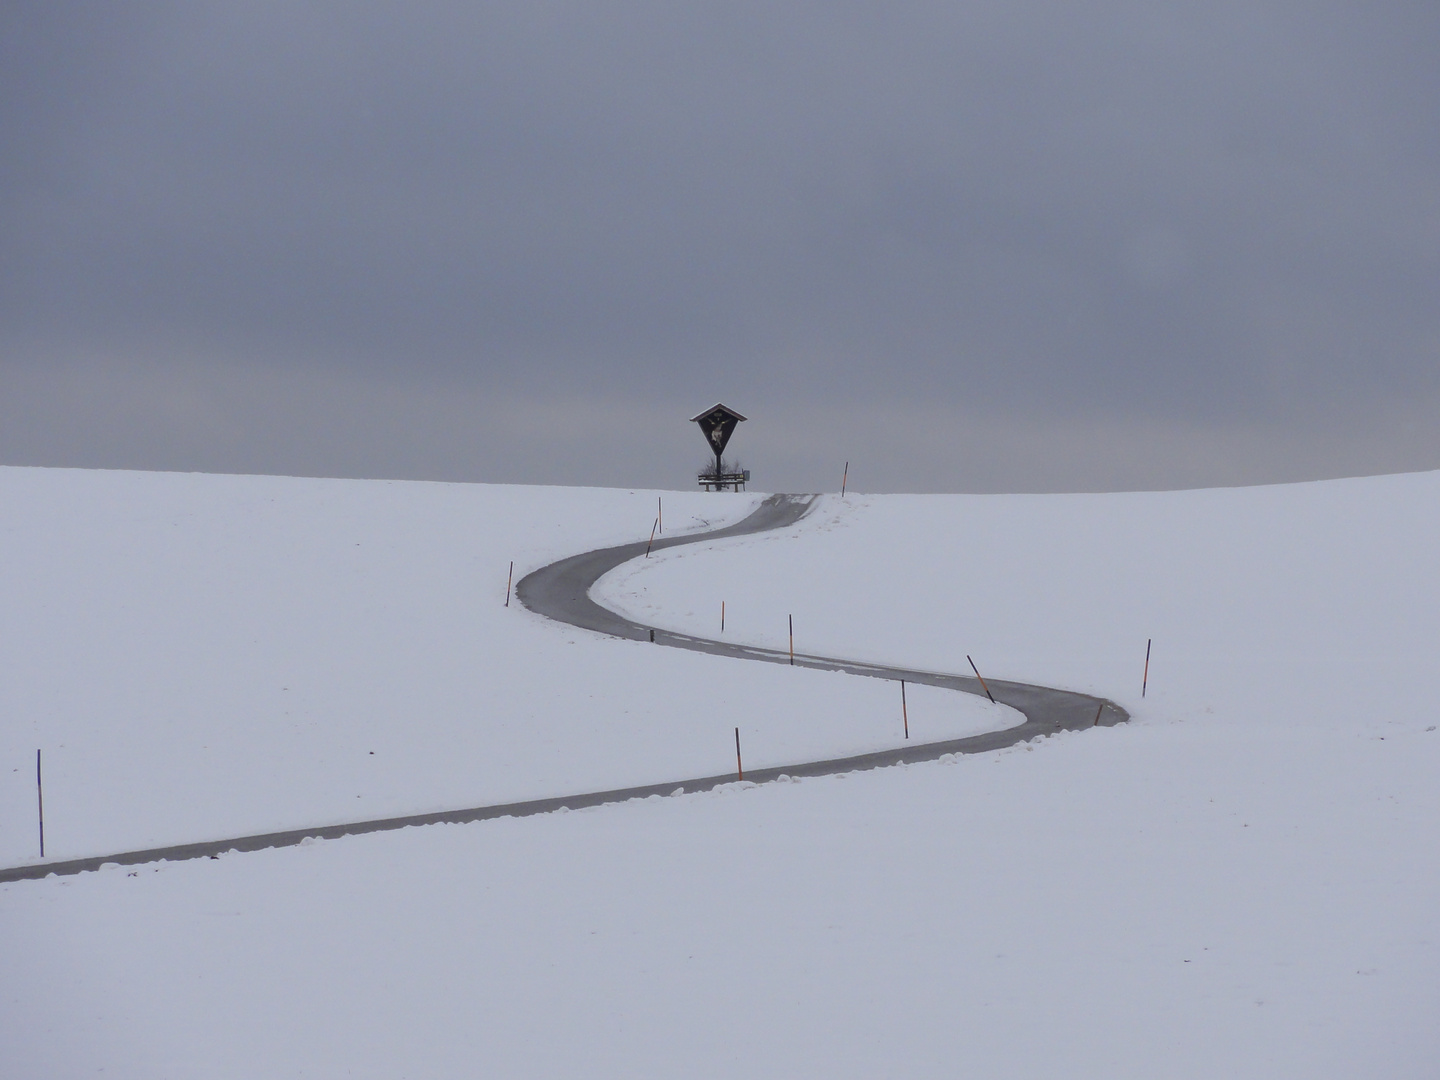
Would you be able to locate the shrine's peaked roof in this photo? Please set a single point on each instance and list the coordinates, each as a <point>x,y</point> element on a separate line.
<point>723,408</point>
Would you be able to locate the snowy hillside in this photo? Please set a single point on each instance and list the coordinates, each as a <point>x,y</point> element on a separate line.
<point>1240,882</point>
<point>211,656</point>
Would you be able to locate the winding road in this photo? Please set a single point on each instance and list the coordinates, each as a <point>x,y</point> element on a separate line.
<point>561,591</point>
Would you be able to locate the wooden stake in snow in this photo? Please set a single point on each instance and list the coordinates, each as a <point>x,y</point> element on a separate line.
<point>739,768</point>
<point>1145,681</point>
<point>652,537</point>
<point>844,479</point>
<point>1098,712</point>
<point>660,514</point>
<point>981,678</point>
<point>792,640</point>
<point>904,712</point>
<point>722,616</point>
<point>40,796</point>
<point>508,582</point>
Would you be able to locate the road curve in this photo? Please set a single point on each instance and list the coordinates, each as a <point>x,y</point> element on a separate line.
<point>561,591</point>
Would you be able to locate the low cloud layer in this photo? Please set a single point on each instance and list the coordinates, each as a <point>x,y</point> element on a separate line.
<point>982,248</point>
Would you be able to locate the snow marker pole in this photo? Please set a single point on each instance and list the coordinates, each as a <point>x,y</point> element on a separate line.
<point>1144,682</point>
<point>1097,713</point>
<point>722,616</point>
<point>508,582</point>
<point>981,678</point>
<point>844,479</point>
<point>792,640</point>
<point>40,797</point>
<point>904,712</point>
<point>739,768</point>
<point>652,537</point>
<point>660,513</point>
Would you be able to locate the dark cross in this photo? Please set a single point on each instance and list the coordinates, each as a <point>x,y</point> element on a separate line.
<point>718,424</point>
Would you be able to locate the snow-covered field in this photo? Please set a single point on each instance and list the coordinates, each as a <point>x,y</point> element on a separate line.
<point>210,656</point>
<point>1241,882</point>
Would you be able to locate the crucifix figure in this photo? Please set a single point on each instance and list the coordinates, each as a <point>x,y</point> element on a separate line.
<point>717,424</point>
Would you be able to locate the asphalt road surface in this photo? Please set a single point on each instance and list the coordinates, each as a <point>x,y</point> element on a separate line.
<point>561,591</point>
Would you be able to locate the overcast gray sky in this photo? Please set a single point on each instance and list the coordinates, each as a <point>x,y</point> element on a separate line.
<point>988,246</point>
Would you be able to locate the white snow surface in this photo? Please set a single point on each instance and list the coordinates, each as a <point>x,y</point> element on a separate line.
<point>1240,882</point>
<point>209,656</point>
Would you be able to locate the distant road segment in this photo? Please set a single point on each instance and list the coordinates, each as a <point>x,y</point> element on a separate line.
<point>561,591</point>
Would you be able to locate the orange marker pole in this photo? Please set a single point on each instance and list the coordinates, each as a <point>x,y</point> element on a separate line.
<point>981,678</point>
<point>40,795</point>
